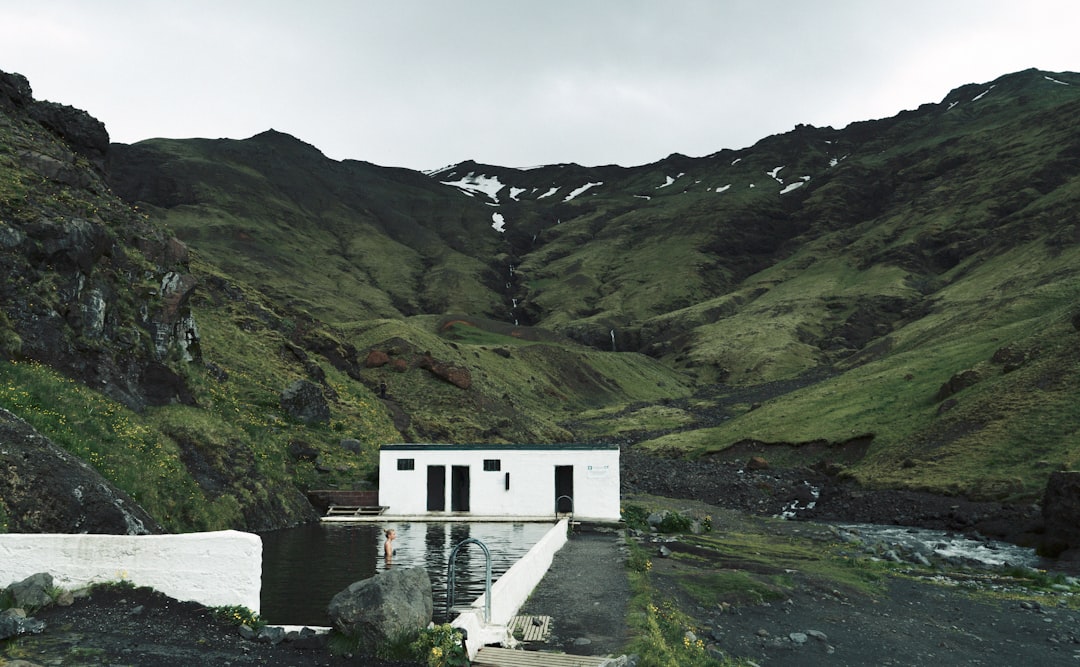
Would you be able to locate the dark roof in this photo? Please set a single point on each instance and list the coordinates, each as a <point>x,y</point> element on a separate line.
<point>448,447</point>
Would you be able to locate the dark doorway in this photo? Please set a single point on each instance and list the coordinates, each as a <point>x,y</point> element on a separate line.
<point>436,488</point>
<point>564,489</point>
<point>459,489</point>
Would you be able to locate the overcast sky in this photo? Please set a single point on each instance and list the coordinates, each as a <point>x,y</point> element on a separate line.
<point>427,83</point>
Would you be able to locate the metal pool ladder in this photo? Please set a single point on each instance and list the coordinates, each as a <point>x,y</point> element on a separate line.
<point>487,578</point>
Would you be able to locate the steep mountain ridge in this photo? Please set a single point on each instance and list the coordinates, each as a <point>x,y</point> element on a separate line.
<point>896,297</point>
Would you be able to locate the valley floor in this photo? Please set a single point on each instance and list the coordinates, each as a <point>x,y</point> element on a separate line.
<point>769,591</point>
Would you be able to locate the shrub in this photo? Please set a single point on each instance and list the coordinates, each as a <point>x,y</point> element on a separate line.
<point>636,517</point>
<point>238,615</point>
<point>675,522</point>
<point>440,646</point>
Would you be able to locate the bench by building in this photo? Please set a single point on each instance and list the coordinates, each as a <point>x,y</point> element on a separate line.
<point>526,481</point>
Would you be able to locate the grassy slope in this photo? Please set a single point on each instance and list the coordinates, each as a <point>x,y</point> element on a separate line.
<point>965,217</point>
<point>522,390</point>
<point>334,239</point>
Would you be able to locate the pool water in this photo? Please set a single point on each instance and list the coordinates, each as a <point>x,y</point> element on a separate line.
<point>304,567</point>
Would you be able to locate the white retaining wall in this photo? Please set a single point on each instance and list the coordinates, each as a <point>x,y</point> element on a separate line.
<point>216,569</point>
<point>510,592</point>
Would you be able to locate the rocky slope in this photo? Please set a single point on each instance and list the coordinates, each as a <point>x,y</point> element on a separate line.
<point>896,297</point>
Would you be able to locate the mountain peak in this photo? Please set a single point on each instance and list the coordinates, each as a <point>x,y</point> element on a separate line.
<point>284,140</point>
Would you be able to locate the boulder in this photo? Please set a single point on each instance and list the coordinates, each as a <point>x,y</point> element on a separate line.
<point>14,623</point>
<point>384,607</point>
<point>1009,358</point>
<point>1061,514</point>
<point>956,384</point>
<point>302,451</point>
<point>455,375</point>
<point>303,401</point>
<point>757,463</point>
<point>376,358</point>
<point>32,592</point>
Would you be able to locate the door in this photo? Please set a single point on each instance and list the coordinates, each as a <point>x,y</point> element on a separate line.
<point>564,489</point>
<point>436,488</point>
<point>459,489</point>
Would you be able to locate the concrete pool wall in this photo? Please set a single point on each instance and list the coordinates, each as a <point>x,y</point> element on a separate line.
<point>224,568</point>
<point>217,569</point>
<point>509,593</point>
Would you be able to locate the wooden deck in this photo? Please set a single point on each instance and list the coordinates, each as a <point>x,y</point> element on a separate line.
<point>531,628</point>
<point>490,656</point>
<point>355,510</point>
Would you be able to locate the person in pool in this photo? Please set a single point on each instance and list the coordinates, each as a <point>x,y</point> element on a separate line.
<point>388,546</point>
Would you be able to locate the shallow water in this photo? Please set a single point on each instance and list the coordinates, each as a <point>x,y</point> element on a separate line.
<point>306,566</point>
<point>949,545</point>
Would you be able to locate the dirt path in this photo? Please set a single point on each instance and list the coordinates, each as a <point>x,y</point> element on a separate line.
<point>586,592</point>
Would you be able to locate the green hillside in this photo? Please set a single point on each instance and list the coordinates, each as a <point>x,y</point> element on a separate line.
<point>899,296</point>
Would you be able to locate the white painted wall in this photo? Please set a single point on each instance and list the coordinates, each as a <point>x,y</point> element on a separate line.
<point>532,479</point>
<point>216,569</point>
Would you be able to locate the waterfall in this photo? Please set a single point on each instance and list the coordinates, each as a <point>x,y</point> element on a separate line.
<point>613,341</point>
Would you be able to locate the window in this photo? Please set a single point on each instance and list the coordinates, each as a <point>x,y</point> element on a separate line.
<point>406,464</point>
<point>492,465</point>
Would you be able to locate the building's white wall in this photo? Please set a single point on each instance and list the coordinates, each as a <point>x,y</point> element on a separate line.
<point>532,481</point>
<point>215,569</point>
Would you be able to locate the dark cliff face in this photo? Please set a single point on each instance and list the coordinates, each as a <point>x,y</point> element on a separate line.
<point>88,287</point>
<point>86,282</point>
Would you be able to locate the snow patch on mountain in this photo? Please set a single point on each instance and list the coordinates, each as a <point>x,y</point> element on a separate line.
<point>550,192</point>
<point>982,94</point>
<point>582,189</point>
<point>474,183</point>
<point>498,222</point>
<point>1053,80</point>
<point>795,185</point>
<point>668,180</point>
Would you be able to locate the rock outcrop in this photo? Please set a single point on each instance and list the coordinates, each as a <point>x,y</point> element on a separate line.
<point>75,292</point>
<point>1061,515</point>
<point>303,401</point>
<point>47,490</point>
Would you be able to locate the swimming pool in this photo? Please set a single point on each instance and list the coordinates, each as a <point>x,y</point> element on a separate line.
<point>304,567</point>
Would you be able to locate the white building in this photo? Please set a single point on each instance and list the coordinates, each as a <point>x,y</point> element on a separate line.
<point>527,481</point>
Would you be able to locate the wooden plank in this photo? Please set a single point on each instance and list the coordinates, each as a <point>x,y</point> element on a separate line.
<point>376,509</point>
<point>531,628</point>
<point>338,510</point>
<point>490,656</point>
<point>355,510</point>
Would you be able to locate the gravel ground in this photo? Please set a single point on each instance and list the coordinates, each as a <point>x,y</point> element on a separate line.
<point>145,628</point>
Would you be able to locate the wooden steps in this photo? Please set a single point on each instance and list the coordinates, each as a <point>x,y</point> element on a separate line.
<point>491,656</point>
<point>356,510</point>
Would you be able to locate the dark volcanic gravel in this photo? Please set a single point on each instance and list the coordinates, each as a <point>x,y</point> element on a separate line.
<point>145,628</point>
<point>772,491</point>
